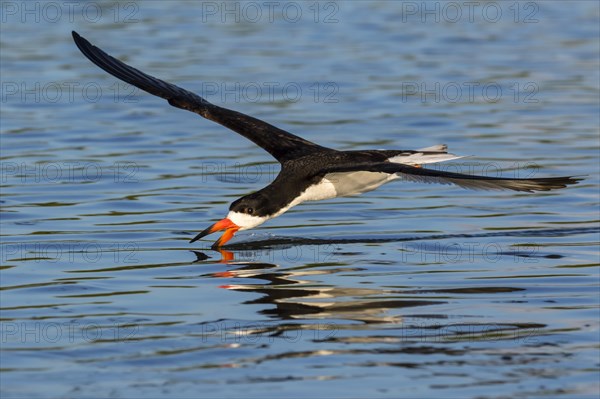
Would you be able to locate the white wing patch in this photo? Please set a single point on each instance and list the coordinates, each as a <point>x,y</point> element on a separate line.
<point>435,148</point>
<point>436,153</point>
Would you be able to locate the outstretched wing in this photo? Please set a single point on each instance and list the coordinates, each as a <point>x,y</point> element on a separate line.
<point>473,182</point>
<point>280,144</point>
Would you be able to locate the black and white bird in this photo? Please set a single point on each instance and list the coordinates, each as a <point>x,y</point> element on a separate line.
<point>309,172</point>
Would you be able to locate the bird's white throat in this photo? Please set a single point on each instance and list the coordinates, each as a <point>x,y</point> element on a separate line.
<point>245,221</point>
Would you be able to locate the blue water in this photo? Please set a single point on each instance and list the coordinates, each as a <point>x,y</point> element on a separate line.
<point>412,290</point>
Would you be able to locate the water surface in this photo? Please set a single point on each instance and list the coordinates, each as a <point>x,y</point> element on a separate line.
<point>412,290</point>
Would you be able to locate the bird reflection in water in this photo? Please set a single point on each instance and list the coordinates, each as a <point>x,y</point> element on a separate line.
<point>296,298</point>
<point>296,293</point>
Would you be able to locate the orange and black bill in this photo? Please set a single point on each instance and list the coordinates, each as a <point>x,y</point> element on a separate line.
<point>224,224</point>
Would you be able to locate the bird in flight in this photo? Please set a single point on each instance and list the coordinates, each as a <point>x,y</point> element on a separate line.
<point>309,172</point>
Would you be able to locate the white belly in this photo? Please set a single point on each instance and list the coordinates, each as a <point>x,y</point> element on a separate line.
<point>323,190</point>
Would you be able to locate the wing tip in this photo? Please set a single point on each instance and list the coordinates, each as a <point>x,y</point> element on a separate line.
<point>82,43</point>
<point>553,183</point>
<point>77,38</point>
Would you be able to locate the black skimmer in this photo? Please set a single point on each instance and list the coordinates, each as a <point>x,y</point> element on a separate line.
<point>309,172</point>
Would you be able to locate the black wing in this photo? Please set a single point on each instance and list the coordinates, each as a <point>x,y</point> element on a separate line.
<point>280,144</point>
<point>411,173</point>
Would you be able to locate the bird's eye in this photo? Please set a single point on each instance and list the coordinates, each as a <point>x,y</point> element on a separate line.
<point>249,211</point>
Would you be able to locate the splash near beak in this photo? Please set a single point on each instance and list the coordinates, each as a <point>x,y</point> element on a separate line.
<point>224,224</point>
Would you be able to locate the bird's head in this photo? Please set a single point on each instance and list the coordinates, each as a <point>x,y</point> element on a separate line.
<point>245,213</point>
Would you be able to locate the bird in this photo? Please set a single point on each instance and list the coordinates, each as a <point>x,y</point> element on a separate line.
<point>309,171</point>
